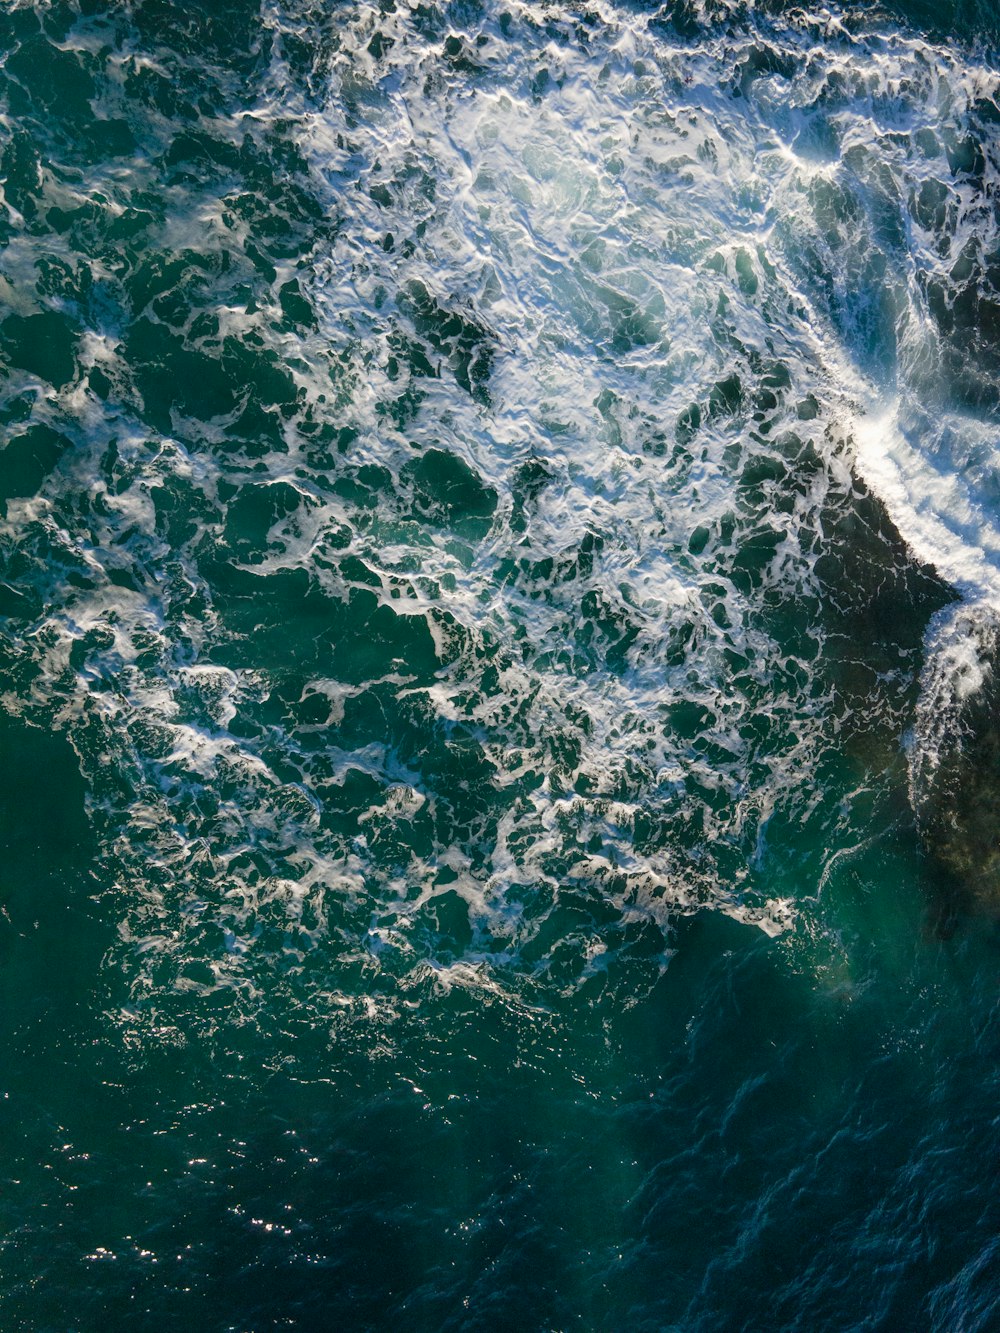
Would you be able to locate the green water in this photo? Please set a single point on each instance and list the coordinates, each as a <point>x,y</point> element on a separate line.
<point>470,797</point>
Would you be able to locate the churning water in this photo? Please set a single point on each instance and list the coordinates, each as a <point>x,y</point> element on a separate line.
<point>500,618</point>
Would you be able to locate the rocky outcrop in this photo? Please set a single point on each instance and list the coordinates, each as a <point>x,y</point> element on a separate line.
<point>955,761</point>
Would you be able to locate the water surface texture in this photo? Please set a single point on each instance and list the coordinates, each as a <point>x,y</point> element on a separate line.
<point>500,777</point>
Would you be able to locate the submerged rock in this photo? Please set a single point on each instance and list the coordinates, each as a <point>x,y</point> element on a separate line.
<point>955,762</point>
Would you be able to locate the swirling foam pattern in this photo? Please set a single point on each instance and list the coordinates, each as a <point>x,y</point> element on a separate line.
<point>477,480</point>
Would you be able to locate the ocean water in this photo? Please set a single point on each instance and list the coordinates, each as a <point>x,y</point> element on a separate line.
<point>498,636</point>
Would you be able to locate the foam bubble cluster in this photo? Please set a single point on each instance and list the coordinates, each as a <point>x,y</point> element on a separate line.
<point>436,511</point>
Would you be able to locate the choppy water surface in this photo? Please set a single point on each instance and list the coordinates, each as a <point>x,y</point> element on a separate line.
<point>500,761</point>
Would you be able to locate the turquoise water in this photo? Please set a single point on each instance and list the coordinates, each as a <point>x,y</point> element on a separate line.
<point>500,544</point>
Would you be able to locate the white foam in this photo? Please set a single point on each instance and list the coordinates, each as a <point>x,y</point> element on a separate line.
<point>630,238</point>
<point>938,479</point>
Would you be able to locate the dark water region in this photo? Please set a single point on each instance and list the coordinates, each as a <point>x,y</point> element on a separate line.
<point>499,753</point>
<point>967,21</point>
